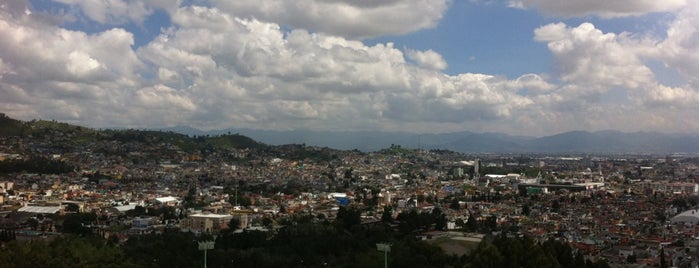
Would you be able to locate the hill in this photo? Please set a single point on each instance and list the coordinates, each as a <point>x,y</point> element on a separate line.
<point>65,135</point>
<point>188,138</point>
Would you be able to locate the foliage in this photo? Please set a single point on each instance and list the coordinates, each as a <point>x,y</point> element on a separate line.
<point>10,127</point>
<point>77,223</point>
<point>170,249</point>
<point>387,215</point>
<point>395,149</point>
<point>525,252</point>
<point>348,217</point>
<point>68,251</point>
<point>37,164</point>
<point>230,141</point>
<point>306,243</point>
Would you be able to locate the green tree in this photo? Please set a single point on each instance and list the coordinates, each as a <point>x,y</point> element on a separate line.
<point>387,215</point>
<point>631,258</point>
<point>169,249</point>
<point>471,223</point>
<point>348,217</point>
<point>33,223</point>
<point>526,210</point>
<point>455,204</point>
<point>77,223</point>
<point>663,262</point>
<point>72,208</point>
<point>486,256</point>
<point>440,220</point>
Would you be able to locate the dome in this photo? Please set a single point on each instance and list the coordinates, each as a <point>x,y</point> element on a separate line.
<point>689,216</point>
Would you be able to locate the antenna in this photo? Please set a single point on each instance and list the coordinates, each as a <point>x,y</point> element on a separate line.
<point>419,145</point>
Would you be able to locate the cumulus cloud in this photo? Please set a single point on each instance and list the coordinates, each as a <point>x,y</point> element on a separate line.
<point>592,64</point>
<point>679,49</point>
<point>601,8</point>
<point>347,18</point>
<point>40,51</point>
<point>675,97</point>
<point>112,11</point>
<point>220,67</point>
<point>587,56</point>
<point>428,59</point>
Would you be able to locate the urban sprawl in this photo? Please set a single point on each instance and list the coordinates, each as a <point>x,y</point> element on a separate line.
<point>622,208</point>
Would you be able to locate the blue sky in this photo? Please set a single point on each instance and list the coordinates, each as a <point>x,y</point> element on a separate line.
<point>524,67</point>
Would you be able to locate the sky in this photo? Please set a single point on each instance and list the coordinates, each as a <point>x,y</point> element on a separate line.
<point>522,67</point>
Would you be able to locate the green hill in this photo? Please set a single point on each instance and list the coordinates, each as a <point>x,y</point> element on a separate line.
<point>59,133</point>
<point>10,127</point>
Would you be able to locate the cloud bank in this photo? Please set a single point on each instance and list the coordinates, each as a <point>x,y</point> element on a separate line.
<point>601,8</point>
<point>249,65</point>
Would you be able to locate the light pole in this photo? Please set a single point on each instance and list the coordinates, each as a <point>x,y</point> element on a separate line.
<point>206,245</point>
<point>386,248</point>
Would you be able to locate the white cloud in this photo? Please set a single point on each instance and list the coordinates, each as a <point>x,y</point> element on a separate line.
<point>592,64</point>
<point>601,8</point>
<point>40,52</point>
<point>215,69</point>
<point>428,59</point>
<point>300,78</point>
<point>680,50</point>
<point>599,61</point>
<point>163,97</point>
<point>347,18</point>
<point>112,11</point>
<point>675,97</point>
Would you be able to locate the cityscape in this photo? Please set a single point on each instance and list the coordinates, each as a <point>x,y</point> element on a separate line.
<point>345,133</point>
<point>623,210</point>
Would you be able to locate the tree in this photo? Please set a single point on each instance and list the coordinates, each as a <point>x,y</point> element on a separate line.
<point>440,220</point>
<point>76,223</point>
<point>486,256</point>
<point>455,204</point>
<point>240,200</point>
<point>526,210</point>
<point>348,173</point>
<point>234,224</point>
<point>471,223</point>
<point>139,210</point>
<point>33,223</point>
<point>524,252</point>
<point>348,217</point>
<point>387,215</point>
<point>267,222</point>
<point>663,262</point>
<point>73,207</point>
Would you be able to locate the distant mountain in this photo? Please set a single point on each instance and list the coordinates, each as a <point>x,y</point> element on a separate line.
<point>608,141</point>
<point>615,141</point>
<point>189,131</point>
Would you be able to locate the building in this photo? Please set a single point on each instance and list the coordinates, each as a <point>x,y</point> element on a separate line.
<point>167,201</point>
<point>142,225</point>
<point>689,216</point>
<point>206,222</point>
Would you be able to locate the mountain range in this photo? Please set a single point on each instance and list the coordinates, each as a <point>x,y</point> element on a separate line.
<point>607,141</point>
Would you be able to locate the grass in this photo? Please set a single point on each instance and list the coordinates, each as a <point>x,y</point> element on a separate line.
<point>452,246</point>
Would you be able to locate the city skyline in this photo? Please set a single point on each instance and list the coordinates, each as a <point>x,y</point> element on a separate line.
<point>522,67</point>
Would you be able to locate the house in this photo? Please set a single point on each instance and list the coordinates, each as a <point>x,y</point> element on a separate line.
<point>167,201</point>
<point>142,225</point>
<point>206,222</point>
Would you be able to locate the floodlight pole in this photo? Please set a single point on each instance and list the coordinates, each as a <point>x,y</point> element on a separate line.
<point>206,245</point>
<point>385,247</point>
<point>385,259</point>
